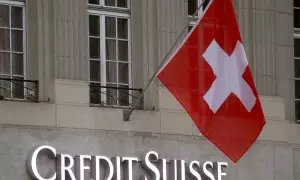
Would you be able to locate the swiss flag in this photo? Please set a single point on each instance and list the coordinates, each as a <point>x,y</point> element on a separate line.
<point>210,76</point>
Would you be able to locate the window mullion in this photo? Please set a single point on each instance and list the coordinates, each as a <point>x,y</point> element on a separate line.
<point>24,49</point>
<point>10,53</point>
<point>24,43</point>
<point>201,9</point>
<point>296,36</point>
<point>103,56</point>
<point>101,3</point>
<point>129,59</point>
<point>117,57</point>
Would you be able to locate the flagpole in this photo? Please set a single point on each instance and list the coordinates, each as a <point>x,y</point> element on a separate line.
<point>128,113</point>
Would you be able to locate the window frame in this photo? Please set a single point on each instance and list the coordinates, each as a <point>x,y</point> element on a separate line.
<point>296,79</point>
<point>22,5</point>
<point>193,20</point>
<point>102,5</point>
<point>192,24</point>
<point>117,12</point>
<point>200,11</point>
<point>297,29</point>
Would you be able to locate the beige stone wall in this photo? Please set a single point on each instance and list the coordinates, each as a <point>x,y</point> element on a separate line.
<point>58,43</point>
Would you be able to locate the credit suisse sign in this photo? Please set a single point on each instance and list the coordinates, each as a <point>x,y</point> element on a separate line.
<point>119,168</point>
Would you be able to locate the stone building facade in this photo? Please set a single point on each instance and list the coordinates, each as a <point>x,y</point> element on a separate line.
<point>66,47</point>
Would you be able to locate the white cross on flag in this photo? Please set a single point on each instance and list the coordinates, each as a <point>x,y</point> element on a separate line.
<point>210,76</point>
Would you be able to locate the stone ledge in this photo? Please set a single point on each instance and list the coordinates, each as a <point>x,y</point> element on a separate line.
<point>149,122</point>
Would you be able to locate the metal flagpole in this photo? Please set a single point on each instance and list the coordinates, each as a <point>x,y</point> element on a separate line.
<point>128,113</point>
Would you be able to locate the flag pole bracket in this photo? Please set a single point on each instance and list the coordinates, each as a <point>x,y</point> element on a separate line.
<point>126,115</point>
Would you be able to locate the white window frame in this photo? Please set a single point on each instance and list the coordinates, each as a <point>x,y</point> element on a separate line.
<point>296,36</point>
<point>102,4</point>
<point>194,20</point>
<point>296,30</point>
<point>106,11</point>
<point>24,29</point>
<point>200,11</point>
<point>192,24</point>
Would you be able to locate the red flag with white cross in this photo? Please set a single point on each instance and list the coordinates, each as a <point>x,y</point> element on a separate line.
<point>210,76</point>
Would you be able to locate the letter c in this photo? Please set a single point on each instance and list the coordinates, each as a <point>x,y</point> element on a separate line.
<point>32,162</point>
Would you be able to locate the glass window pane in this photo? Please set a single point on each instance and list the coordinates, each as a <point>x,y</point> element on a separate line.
<point>94,25</point>
<point>297,89</point>
<point>297,18</point>
<point>192,6</point>
<point>297,47</point>
<point>110,27</point>
<point>17,40</point>
<point>17,64</point>
<point>190,28</point>
<point>4,63</point>
<point>123,73</point>
<point>205,3</point>
<point>122,3</point>
<point>124,96</point>
<point>5,87</point>
<point>18,88</point>
<point>94,2</point>
<point>122,28</point>
<point>95,93</point>
<point>111,49</point>
<point>297,3</point>
<point>95,48</point>
<point>110,2</point>
<point>17,17</point>
<point>4,16</point>
<point>111,95</point>
<point>4,40</point>
<point>297,109</point>
<point>123,50</point>
<point>297,68</point>
<point>95,71</point>
<point>111,72</point>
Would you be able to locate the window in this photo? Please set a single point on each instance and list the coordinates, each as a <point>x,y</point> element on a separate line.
<point>297,14</point>
<point>297,57</point>
<point>110,3</point>
<point>193,6</point>
<point>109,44</point>
<point>297,76</point>
<point>12,49</point>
